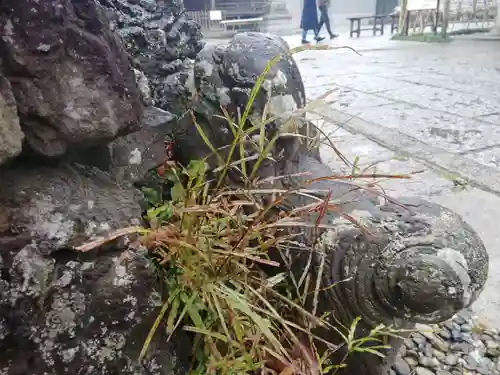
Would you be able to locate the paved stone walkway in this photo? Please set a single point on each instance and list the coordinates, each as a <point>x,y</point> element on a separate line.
<point>405,107</point>
<point>445,95</point>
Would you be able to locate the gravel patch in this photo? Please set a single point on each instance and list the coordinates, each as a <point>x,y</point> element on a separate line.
<point>458,346</point>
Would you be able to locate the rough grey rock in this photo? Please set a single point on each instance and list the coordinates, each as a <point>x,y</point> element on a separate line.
<point>67,312</point>
<point>163,44</point>
<point>132,156</point>
<point>129,159</point>
<point>11,136</point>
<point>71,78</point>
<point>58,207</point>
<point>79,100</point>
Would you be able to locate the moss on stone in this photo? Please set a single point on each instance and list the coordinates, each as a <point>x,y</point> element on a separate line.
<point>476,30</point>
<point>423,37</point>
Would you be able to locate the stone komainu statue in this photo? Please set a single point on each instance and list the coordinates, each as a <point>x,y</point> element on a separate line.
<point>415,262</point>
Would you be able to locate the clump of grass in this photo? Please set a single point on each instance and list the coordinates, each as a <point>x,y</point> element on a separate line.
<point>213,250</point>
<point>423,37</point>
<point>221,251</point>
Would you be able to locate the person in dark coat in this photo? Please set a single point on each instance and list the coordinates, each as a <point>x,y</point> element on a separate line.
<point>309,21</point>
<point>324,17</point>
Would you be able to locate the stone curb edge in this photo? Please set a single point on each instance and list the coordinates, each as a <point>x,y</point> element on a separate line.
<point>478,175</point>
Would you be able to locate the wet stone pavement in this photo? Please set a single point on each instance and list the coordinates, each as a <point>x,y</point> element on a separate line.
<point>430,110</point>
<point>446,95</point>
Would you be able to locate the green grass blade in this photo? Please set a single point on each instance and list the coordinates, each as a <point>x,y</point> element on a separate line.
<point>156,324</point>
<point>204,136</point>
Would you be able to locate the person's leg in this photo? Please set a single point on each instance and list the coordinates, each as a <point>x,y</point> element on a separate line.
<point>325,17</point>
<point>317,37</point>
<point>321,20</point>
<point>304,36</point>
<point>327,22</point>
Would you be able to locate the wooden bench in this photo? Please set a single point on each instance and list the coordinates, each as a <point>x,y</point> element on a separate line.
<point>241,22</point>
<point>378,24</point>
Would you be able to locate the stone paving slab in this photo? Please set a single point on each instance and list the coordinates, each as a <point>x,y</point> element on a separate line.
<point>489,157</point>
<point>494,118</point>
<point>468,169</point>
<point>460,103</point>
<point>355,147</point>
<point>346,97</point>
<point>468,84</point>
<point>444,100</point>
<point>441,129</point>
<point>444,130</point>
<point>447,96</point>
<point>372,158</point>
<point>369,83</point>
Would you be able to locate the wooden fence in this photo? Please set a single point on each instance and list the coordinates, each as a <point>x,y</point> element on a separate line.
<point>463,15</point>
<point>268,9</point>
<point>202,18</point>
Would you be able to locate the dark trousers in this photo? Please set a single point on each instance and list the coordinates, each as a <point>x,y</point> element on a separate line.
<point>324,18</point>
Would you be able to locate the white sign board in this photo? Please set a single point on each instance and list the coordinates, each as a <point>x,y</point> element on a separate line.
<point>215,15</point>
<point>422,4</point>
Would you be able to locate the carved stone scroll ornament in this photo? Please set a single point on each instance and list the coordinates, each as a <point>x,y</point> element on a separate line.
<point>414,261</point>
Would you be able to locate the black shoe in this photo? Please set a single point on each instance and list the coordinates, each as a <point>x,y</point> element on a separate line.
<point>305,41</point>
<point>319,38</point>
<point>333,36</point>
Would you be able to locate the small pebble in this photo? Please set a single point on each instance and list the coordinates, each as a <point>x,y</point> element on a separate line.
<point>428,362</point>
<point>493,352</point>
<point>401,367</point>
<point>467,337</point>
<point>409,344</point>
<point>470,362</point>
<point>449,325</point>
<point>412,362</point>
<point>456,336</point>
<point>451,360</point>
<point>440,344</point>
<point>485,337</point>
<point>413,353</point>
<point>419,339</point>
<point>461,347</point>
<point>445,334</point>
<point>491,331</point>
<point>423,371</point>
<point>428,351</point>
<point>466,328</point>
<point>439,355</point>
